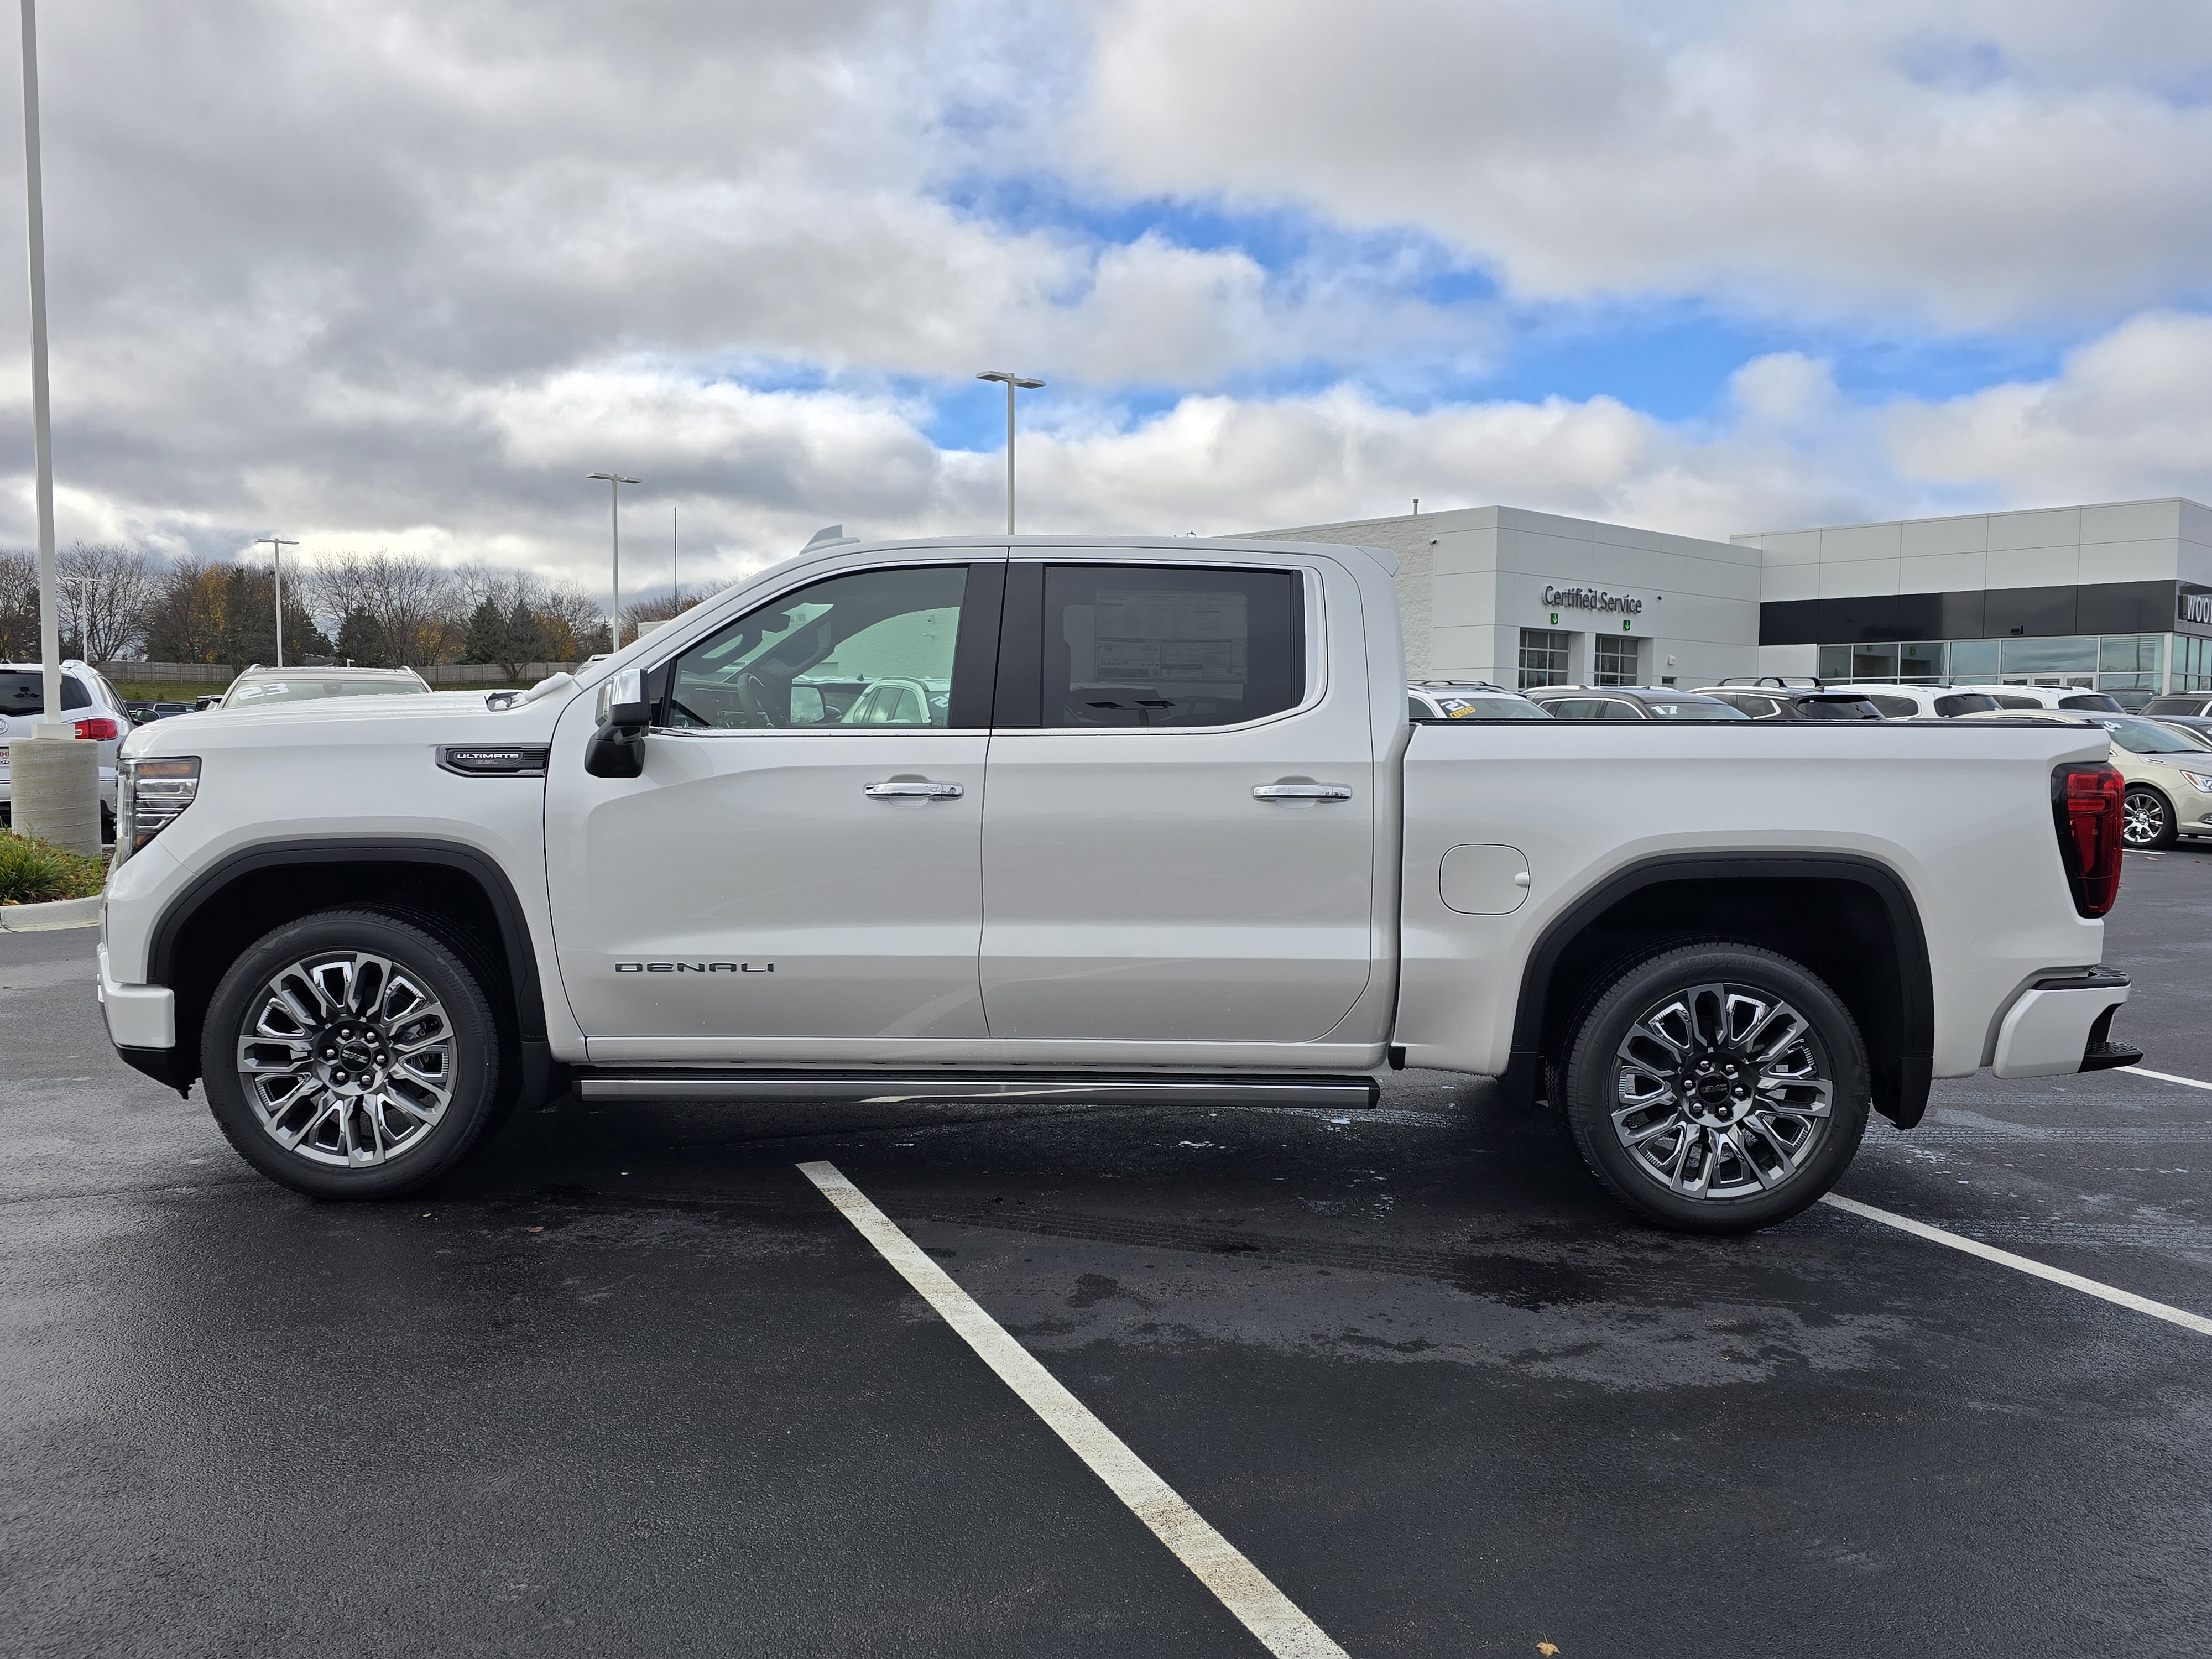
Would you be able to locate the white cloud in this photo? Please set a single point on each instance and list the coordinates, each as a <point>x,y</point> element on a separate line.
<point>1992,159</point>
<point>2128,416</point>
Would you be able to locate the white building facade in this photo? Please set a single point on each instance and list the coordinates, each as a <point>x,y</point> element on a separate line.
<point>1518,597</point>
<point>2117,595</point>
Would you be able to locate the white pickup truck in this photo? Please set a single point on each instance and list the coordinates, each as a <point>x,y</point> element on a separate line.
<point>1094,819</point>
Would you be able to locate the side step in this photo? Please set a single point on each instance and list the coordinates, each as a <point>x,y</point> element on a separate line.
<point>1350,1092</point>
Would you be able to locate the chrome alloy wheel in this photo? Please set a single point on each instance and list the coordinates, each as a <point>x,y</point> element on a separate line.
<point>347,1059</point>
<point>2143,818</point>
<point>1721,1091</point>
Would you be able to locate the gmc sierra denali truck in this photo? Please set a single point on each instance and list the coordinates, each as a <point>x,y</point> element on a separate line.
<point>1094,819</point>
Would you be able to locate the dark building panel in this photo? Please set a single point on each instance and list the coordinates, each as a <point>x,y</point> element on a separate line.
<point>2124,608</point>
<point>1963,615</point>
<point>1920,617</point>
<point>2035,612</point>
<point>1789,622</point>
<point>1863,616</point>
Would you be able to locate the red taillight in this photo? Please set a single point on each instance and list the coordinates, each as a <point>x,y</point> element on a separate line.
<point>99,731</point>
<point>2085,802</point>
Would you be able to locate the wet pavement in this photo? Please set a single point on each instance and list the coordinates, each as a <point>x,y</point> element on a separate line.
<point>629,1384</point>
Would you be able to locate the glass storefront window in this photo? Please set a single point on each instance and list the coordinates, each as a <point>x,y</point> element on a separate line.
<point>1920,660</point>
<point>1973,661</point>
<point>2051,656</point>
<point>2130,654</point>
<point>1835,662</point>
<point>1543,658</point>
<point>1874,662</point>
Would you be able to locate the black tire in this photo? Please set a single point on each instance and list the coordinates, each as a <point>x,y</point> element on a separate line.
<point>2146,820</point>
<point>366,1114</point>
<point>1753,1148</point>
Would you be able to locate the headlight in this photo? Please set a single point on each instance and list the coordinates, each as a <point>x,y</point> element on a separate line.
<point>2201,780</point>
<point>148,795</point>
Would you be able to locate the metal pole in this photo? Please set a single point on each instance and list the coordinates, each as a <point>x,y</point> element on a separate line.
<point>50,649</point>
<point>1012,381</point>
<point>675,584</point>
<point>277,544</point>
<point>614,481</point>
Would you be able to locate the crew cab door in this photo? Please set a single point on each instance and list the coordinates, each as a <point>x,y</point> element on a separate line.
<point>1179,816</point>
<point>801,856</point>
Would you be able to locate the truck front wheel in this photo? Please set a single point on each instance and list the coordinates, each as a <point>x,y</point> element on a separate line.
<point>1716,1088</point>
<point>351,1054</point>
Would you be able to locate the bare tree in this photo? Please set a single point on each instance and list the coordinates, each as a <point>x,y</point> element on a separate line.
<point>411,606</point>
<point>107,592</point>
<point>19,606</point>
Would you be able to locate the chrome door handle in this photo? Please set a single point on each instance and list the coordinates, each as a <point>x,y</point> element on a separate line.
<point>1302,792</point>
<point>925,790</point>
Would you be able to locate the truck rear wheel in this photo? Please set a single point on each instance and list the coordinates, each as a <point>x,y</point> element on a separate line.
<point>1715,1088</point>
<point>351,1054</point>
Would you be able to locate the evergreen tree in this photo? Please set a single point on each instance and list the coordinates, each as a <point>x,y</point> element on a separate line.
<point>361,640</point>
<point>487,635</point>
<point>526,639</point>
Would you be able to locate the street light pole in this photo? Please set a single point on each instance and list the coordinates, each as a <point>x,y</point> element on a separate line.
<point>1012,381</point>
<point>614,481</point>
<point>42,430</point>
<point>55,788</point>
<point>277,544</point>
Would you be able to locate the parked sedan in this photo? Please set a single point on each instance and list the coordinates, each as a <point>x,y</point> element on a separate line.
<point>2168,775</point>
<point>1631,702</point>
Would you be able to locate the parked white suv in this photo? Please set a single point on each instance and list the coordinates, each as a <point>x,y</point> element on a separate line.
<point>2074,699</point>
<point>1170,837</point>
<point>88,702</point>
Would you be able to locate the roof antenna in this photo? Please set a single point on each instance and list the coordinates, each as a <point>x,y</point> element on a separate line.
<point>827,534</point>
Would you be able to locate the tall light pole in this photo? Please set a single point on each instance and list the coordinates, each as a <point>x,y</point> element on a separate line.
<point>614,481</point>
<point>675,584</point>
<point>1012,381</point>
<point>57,779</point>
<point>277,544</point>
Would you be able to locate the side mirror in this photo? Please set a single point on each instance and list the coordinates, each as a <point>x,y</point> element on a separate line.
<point>617,748</point>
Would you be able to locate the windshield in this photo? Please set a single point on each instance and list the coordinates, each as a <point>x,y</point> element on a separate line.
<point>308,691</point>
<point>2143,737</point>
<point>1459,707</point>
<point>2200,739</point>
<point>1692,708</point>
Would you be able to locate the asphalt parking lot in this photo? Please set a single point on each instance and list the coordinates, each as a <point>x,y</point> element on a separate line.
<point>632,1385</point>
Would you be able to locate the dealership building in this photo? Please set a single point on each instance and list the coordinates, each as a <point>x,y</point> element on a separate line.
<point>2117,596</point>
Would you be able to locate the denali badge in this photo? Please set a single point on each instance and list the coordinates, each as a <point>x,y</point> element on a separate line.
<point>694,967</point>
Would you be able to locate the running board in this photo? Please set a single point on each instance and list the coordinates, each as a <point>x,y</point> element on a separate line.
<point>1342,1093</point>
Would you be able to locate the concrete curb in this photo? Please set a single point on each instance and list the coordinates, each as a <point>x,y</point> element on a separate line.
<point>39,918</point>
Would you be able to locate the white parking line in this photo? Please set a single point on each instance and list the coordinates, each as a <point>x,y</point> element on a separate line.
<point>1245,1590</point>
<point>2163,1077</point>
<point>2172,1315</point>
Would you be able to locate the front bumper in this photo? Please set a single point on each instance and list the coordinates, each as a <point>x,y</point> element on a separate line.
<point>138,1016</point>
<point>2062,1023</point>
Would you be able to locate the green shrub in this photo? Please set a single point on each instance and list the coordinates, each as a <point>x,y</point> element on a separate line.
<point>31,872</point>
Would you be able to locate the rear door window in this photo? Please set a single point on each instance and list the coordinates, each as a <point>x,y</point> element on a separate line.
<point>1151,645</point>
<point>1896,709</point>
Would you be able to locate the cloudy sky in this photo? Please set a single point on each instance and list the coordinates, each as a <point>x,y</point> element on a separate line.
<point>394,274</point>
